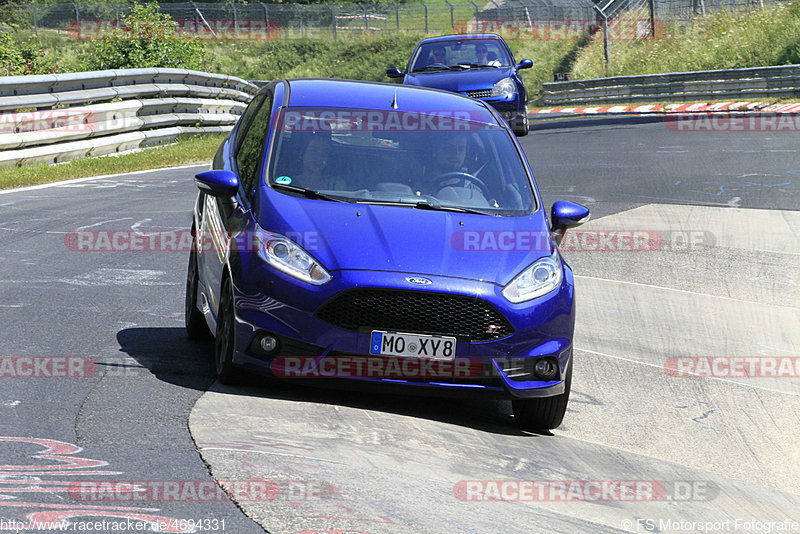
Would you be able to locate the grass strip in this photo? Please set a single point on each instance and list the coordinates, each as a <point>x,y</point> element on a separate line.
<point>186,151</point>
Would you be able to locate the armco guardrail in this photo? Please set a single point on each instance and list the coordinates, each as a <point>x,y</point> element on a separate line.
<point>735,84</point>
<point>57,117</point>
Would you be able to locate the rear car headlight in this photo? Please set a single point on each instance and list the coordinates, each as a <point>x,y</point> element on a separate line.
<point>505,87</point>
<point>290,258</point>
<point>539,279</point>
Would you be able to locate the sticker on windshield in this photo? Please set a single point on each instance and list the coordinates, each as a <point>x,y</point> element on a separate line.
<point>283,180</point>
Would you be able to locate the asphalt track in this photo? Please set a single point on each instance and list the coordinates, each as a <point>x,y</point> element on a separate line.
<point>723,282</point>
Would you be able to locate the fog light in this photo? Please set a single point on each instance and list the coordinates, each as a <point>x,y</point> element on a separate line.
<point>546,369</point>
<point>268,343</point>
<point>507,114</point>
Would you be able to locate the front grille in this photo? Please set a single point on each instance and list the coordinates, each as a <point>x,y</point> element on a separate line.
<point>416,311</point>
<point>482,93</point>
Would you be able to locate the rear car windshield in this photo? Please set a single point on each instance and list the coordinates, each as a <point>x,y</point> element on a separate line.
<point>489,52</point>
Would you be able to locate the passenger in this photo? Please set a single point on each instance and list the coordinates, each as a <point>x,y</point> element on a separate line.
<point>314,159</point>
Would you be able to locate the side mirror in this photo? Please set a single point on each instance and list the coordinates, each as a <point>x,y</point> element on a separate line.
<point>525,64</point>
<point>566,215</point>
<point>218,183</point>
<point>395,73</point>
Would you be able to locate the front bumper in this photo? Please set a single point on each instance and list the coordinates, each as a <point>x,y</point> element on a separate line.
<point>541,328</point>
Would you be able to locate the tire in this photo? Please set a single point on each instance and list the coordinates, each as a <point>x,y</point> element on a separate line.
<point>522,131</point>
<point>225,339</point>
<point>196,327</point>
<point>545,413</point>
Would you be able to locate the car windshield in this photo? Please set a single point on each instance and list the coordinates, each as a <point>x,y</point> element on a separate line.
<point>452,54</point>
<point>430,161</point>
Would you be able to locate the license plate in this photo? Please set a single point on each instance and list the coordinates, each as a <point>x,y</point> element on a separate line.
<point>416,345</point>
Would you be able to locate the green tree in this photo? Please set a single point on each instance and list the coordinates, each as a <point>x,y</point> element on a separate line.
<point>146,38</point>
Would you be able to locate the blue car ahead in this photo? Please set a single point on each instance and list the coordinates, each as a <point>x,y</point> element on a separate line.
<point>383,236</point>
<point>478,66</point>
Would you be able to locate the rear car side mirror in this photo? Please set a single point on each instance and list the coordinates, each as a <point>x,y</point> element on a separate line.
<point>395,73</point>
<point>525,64</point>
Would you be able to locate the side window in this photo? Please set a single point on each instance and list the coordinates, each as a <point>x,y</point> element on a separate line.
<point>247,118</point>
<point>251,145</point>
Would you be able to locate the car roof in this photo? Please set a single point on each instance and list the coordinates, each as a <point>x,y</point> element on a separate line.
<point>462,37</point>
<point>324,92</point>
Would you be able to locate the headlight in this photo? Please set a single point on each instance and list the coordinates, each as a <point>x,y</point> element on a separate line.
<point>539,279</point>
<point>505,87</point>
<point>290,258</point>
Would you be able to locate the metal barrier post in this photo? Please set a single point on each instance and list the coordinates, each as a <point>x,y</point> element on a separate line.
<point>474,5</point>
<point>396,15</point>
<point>426,15</point>
<point>35,26</point>
<point>366,20</point>
<point>333,17</point>
<point>266,16</point>
<point>302,27</point>
<point>235,21</point>
<point>605,34</point>
<point>452,22</point>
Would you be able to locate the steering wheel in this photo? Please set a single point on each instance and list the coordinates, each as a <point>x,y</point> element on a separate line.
<point>464,177</point>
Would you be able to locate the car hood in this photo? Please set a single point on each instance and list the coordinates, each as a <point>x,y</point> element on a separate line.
<point>459,81</point>
<point>391,238</point>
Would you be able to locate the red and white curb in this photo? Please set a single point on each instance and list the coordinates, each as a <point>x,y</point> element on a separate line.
<point>678,108</point>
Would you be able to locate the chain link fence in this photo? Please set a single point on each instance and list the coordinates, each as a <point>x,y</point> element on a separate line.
<point>617,22</point>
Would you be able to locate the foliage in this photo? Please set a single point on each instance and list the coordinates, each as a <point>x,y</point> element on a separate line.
<point>145,38</point>
<point>23,58</point>
<point>720,40</point>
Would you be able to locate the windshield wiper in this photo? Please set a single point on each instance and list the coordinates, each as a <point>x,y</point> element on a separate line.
<point>421,205</point>
<point>478,66</point>
<point>429,67</point>
<point>440,207</point>
<point>308,193</point>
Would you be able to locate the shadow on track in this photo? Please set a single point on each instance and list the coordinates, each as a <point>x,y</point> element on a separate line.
<point>174,358</point>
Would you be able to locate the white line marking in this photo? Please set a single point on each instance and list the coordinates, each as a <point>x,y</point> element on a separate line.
<point>102,222</point>
<point>79,180</point>
<point>273,453</point>
<point>684,291</point>
<point>689,373</point>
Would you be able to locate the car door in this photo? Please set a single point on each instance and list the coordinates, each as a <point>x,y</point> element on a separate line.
<point>221,218</point>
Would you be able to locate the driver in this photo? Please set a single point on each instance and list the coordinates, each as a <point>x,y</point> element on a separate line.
<point>443,175</point>
<point>448,156</point>
<point>439,55</point>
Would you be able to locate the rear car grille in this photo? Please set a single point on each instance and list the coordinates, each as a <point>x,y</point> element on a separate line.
<point>482,93</point>
<point>416,311</point>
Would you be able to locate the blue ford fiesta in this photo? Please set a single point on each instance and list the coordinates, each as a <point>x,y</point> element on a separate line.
<point>476,65</point>
<point>386,236</point>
